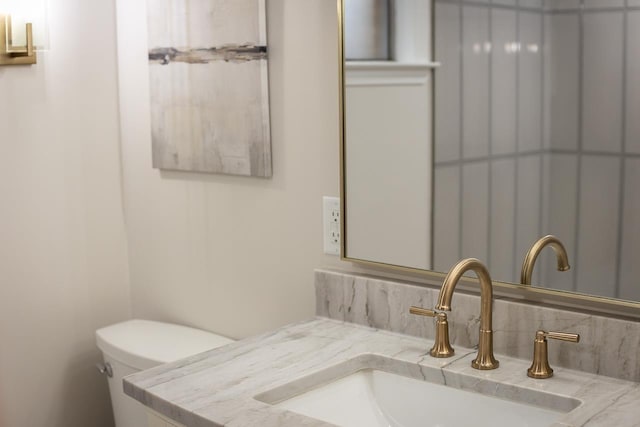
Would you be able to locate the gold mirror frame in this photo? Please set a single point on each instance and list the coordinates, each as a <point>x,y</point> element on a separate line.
<point>531,294</point>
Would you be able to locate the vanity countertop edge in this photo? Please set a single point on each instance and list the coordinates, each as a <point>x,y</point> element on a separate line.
<point>218,387</point>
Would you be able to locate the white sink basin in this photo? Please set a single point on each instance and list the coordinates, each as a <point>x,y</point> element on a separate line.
<point>372,397</point>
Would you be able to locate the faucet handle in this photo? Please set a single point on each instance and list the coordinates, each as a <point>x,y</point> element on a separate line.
<point>540,366</point>
<point>441,347</point>
<point>422,311</point>
<point>562,336</point>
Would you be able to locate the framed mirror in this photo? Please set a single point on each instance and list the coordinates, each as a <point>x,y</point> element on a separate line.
<point>472,128</point>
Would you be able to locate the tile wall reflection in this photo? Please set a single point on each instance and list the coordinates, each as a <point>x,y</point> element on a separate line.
<point>538,132</point>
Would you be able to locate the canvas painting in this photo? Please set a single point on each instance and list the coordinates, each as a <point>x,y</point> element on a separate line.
<point>209,86</point>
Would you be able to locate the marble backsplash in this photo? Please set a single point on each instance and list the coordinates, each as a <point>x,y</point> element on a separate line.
<point>608,346</point>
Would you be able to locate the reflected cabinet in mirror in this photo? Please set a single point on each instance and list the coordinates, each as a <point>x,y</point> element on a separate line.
<point>475,128</point>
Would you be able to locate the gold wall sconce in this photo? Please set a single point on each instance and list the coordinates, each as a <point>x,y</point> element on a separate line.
<point>11,54</point>
<point>24,30</point>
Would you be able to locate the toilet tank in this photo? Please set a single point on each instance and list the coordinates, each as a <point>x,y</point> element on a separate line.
<point>136,345</point>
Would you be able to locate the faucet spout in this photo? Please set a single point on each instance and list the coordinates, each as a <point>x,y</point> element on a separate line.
<point>485,359</point>
<point>532,255</point>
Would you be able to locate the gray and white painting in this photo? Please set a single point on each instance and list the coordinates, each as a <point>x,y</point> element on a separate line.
<point>209,86</point>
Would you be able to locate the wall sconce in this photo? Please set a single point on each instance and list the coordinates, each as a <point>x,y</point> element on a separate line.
<point>23,31</point>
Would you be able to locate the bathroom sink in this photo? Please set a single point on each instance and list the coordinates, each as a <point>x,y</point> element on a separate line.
<point>374,397</point>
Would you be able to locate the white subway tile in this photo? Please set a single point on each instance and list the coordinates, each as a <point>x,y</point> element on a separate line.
<point>530,82</point>
<point>602,86</point>
<point>503,81</point>
<point>598,227</point>
<point>629,266</point>
<point>475,210</point>
<point>562,64</point>
<point>528,200</point>
<point>476,50</point>
<point>446,229</point>
<point>533,4</point>
<point>560,207</point>
<point>506,2</point>
<point>599,4</point>
<point>502,219</point>
<point>447,143</point>
<point>633,83</point>
<point>561,4</point>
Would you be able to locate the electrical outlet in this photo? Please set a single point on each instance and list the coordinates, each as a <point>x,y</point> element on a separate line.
<point>331,224</point>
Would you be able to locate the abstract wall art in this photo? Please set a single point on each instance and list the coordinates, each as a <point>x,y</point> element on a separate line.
<point>209,86</point>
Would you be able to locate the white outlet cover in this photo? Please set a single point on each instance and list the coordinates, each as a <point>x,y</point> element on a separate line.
<point>331,218</point>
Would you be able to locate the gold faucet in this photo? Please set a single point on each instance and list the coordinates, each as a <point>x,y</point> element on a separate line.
<point>532,255</point>
<point>484,360</point>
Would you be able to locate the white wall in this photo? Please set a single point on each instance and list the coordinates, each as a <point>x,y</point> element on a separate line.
<point>63,262</point>
<point>229,254</point>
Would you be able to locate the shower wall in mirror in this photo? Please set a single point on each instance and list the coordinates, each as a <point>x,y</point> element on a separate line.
<point>537,112</point>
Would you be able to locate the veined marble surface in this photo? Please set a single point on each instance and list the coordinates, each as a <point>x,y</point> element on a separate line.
<point>607,346</point>
<point>218,388</point>
<point>365,323</point>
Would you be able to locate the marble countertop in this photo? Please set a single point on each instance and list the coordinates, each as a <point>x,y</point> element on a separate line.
<point>218,388</point>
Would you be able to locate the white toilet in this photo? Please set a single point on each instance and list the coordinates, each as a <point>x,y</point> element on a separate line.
<point>136,345</point>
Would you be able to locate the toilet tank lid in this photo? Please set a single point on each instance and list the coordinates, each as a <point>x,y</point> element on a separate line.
<point>143,344</point>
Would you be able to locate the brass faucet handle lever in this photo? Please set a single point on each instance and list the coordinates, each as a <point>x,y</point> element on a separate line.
<point>422,311</point>
<point>563,336</point>
<point>441,346</point>
<point>540,366</point>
